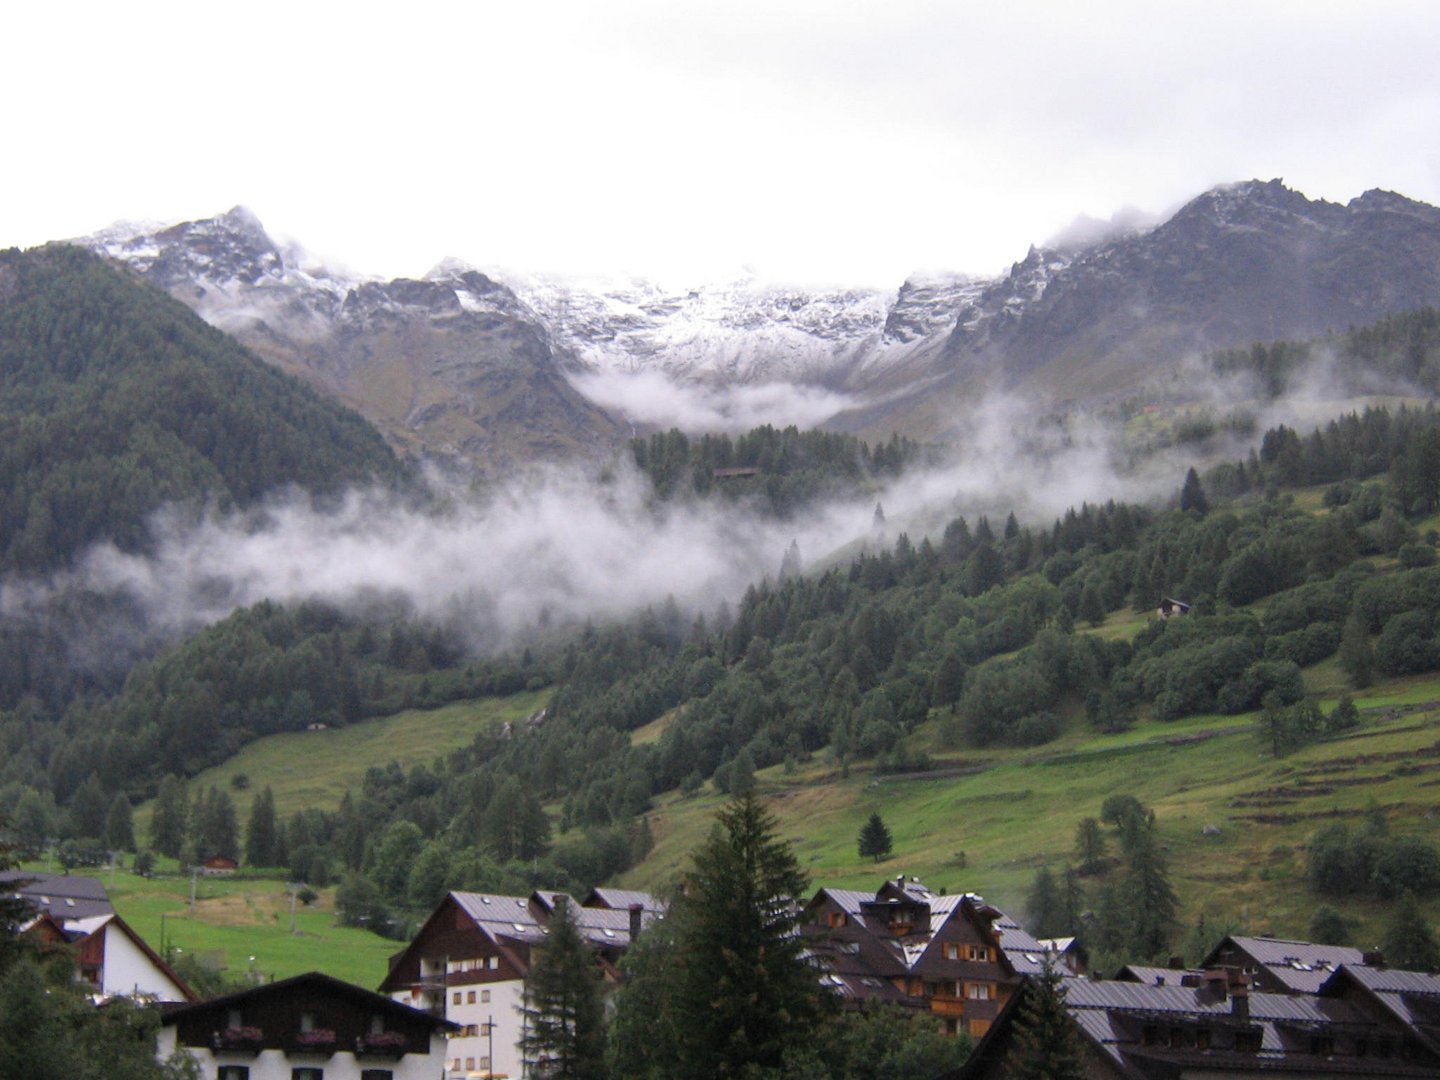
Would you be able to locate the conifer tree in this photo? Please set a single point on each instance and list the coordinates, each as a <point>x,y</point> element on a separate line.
<point>1192,494</point>
<point>564,1013</point>
<point>1409,942</point>
<point>170,823</point>
<point>739,989</point>
<point>1047,1044</point>
<point>1045,906</point>
<point>261,832</point>
<point>88,809</point>
<point>875,840</point>
<point>119,826</point>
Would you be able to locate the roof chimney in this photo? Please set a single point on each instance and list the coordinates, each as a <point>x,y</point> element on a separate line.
<point>1240,996</point>
<point>1372,958</point>
<point>636,911</point>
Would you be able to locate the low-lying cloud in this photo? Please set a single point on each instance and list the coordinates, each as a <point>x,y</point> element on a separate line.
<point>566,545</point>
<point>652,398</point>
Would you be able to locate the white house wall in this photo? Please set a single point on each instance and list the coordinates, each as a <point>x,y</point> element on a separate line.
<point>128,970</point>
<point>468,1053</point>
<point>342,1065</point>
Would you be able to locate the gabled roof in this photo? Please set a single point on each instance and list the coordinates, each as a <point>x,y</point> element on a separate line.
<point>1301,966</point>
<point>514,923</point>
<point>105,924</point>
<point>869,946</point>
<point>65,896</point>
<point>358,995</point>
<point>1130,1025</point>
<point>1411,997</point>
<point>622,899</point>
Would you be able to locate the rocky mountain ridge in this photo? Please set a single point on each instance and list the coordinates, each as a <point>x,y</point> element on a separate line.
<point>475,368</point>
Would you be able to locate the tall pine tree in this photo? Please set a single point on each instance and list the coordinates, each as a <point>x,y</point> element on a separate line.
<point>564,1013</point>
<point>875,840</point>
<point>1047,1044</point>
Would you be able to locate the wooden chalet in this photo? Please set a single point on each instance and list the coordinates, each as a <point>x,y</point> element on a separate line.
<point>955,956</point>
<point>1283,965</point>
<point>1215,1026</point>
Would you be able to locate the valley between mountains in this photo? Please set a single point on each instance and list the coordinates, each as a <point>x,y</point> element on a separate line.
<point>497,583</point>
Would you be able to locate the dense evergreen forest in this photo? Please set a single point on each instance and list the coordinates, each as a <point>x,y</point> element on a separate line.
<point>784,469</point>
<point>117,400</point>
<point>982,627</point>
<point>1401,351</point>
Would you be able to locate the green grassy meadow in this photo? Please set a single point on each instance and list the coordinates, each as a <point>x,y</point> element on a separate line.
<point>991,830</point>
<point>315,768</point>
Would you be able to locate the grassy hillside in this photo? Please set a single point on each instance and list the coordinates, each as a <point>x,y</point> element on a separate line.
<point>314,768</point>
<point>986,821</point>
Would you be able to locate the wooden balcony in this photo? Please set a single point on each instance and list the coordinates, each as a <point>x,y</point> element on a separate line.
<point>947,1005</point>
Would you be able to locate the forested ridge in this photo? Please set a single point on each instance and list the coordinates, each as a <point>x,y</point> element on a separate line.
<point>980,629</point>
<point>117,400</point>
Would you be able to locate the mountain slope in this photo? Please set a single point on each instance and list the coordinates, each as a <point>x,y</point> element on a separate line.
<point>453,367</point>
<point>117,400</point>
<point>470,368</point>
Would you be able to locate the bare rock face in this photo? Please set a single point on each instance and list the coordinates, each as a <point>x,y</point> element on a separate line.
<point>453,368</point>
<point>474,369</point>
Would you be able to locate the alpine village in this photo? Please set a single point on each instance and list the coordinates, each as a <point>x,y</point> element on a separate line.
<point>1096,738</point>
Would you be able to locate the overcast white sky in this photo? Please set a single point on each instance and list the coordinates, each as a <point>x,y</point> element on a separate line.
<point>815,141</point>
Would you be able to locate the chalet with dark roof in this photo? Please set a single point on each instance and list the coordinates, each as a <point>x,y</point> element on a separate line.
<point>1285,966</point>
<point>306,1028</point>
<point>469,960</point>
<point>1217,1028</point>
<point>906,944</point>
<point>1410,998</point>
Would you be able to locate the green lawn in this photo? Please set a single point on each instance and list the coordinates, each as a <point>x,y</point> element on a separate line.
<point>236,919</point>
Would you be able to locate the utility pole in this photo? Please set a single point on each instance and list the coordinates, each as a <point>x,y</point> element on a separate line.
<point>490,1048</point>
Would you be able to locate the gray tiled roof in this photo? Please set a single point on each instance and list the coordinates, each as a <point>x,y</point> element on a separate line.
<point>64,896</point>
<point>1301,966</point>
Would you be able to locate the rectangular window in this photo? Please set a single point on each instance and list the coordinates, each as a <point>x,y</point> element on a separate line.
<point>469,1064</point>
<point>484,995</point>
<point>385,1074</point>
<point>484,1029</point>
<point>233,1072</point>
<point>484,1064</point>
<point>470,998</point>
<point>307,1073</point>
<point>978,991</point>
<point>952,952</point>
<point>455,998</point>
<point>979,952</point>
